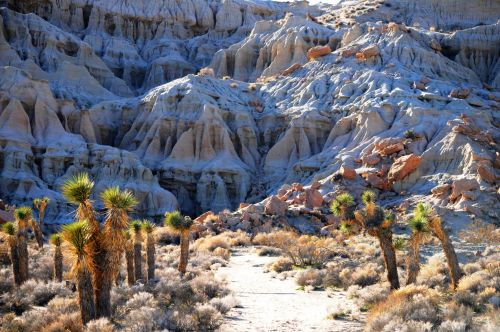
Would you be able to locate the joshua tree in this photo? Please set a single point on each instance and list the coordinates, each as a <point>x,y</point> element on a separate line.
<point>343,207</point>
<point>149,228</point>
<point>182,225</point>
<point>118,204</point>
<point>77,235</point>
<point>436,226</point>
<point>378,224</point>
<point>129,257</point>
<point>10,235</point>
<point>38,232</point>
<point>420,229</point>
<point>77,190</point>
<point>23,216</point>
<point>56,240</point>
<point>40,204</point>
<point>136,228</point>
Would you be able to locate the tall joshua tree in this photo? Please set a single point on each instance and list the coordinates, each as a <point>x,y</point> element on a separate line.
<point>136,228</point>
<point>117,203</point>
<point>77,190</point>
<point>40,204</point>
<point>182,225</point>
<point>9,233</point>
<point>149,228</point>
<point>343,207</point>
<point>436,226</point>
<point>77,235</point>
<point>378,223</point>
<point>23,216</point>
<point>129,258</point>
<point>56,240</point>
<point>419,225</point>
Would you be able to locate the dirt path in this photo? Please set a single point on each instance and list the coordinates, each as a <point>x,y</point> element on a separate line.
<point>269,304</point>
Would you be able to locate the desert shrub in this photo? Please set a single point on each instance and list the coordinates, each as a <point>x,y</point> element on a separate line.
<point>206,71</point>
<point>222,252</point>
<point>225,240</point>
<point>6,280</point>
<point>205,286</point>
<point>224,304</point>
<point>140,300</point>
<point>434,274</point>
<point>145,319</point>
<point>310,277</point>
<point>34,292</point>
<point>366,297</point>
<point>207,317</point>
<point>99,325</point>
<point>304,250</point>
<point>233,85</point>
<point>417,307</point>
<point>456,316</point>
<point>480,232</point>
<point>62,305</point>
<point>41,263</point>
<point>268,251</point>
<point>66,322</point>
<point>282,264</point>
<point>364,275</point>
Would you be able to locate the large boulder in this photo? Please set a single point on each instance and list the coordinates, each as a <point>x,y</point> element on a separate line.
<point>461,186</point>
<point>318,51</point>
<point>275,206</point>
<point>313,198</point>
<point>403,166</point>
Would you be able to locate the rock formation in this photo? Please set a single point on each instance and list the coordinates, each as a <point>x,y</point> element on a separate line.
<point>400,96</point>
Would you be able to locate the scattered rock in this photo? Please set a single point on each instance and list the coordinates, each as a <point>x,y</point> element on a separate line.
<point>460,186</point>
<point>403,166</point>
<point>441,190</point>
<point>275,206</point>
<point>388,146</point>
<point>348,173</point>
<point>318,51</point>
<point>371,159</point>
<point>291,69</point>
<point>313,198</point>
<point>460,93</point>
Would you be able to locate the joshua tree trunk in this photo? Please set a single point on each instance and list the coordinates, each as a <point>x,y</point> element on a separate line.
<point>385,239</point>
<point>41,214</point>
<point>103,301</point>
<point>184,251</point>
<point>451,257</point>
<point>14,259</point>
<point>58,264</point>
<point>38,234</point>
<point>413,258</point>
<point>98,281</point>
<point>129,257</point>
<point>137,259</point>
<point>85,295</point>
<point>22,249</point>
<point>150,253</point>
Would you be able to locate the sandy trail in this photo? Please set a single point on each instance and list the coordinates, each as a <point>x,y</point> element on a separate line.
<point>269,304</point>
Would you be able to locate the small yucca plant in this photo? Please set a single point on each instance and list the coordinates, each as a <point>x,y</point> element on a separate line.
<point>182,225</point>
<point>40,204</point>
<point>56,240</point>
<point>136,230</point>
<point>9,234</point>
<point>23,216</point>
<point>149,228</point>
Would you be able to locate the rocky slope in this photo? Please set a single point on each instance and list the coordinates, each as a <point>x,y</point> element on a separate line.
<point>400,96</point>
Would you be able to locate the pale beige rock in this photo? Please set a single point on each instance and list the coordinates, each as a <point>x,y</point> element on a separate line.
<point>403,166</point>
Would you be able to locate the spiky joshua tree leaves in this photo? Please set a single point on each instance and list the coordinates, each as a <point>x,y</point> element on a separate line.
<point>136,230</point>
<point>377,223</point>
<point>419,225</point>
<point>77,235</point>
<point>149,228</point>
<point>9,234</point>
<point>56,240</point>
<point>113,241</point>
<point>343,207</point>
<point>23,216</point>
<point>180,224</point>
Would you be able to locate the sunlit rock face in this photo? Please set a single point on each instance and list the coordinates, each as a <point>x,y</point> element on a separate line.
<point>403,95</point>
